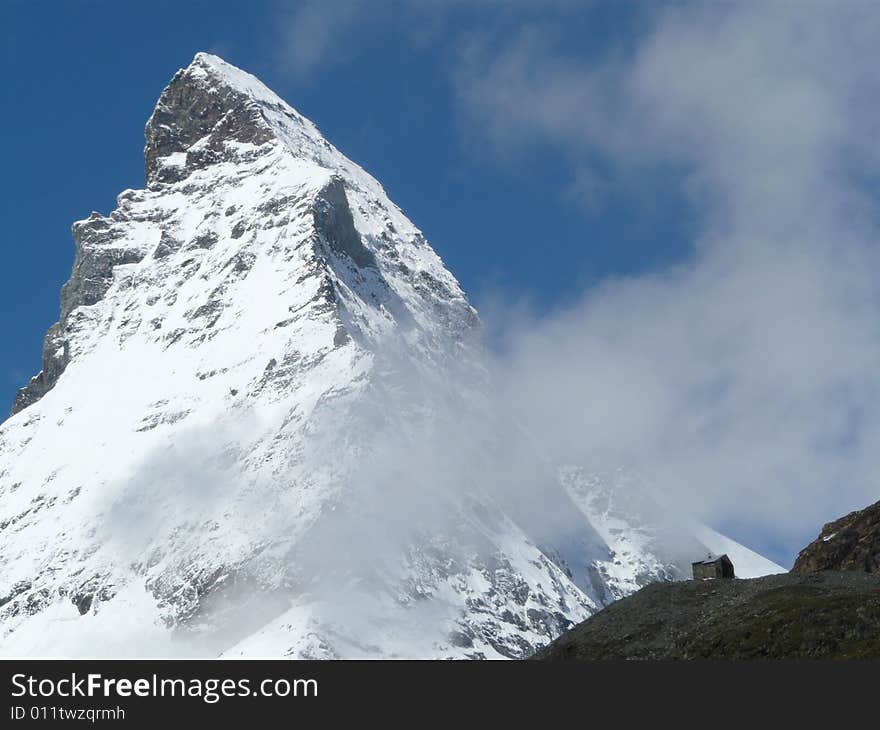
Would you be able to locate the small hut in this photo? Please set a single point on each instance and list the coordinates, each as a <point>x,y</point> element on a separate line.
<point>713,567</point>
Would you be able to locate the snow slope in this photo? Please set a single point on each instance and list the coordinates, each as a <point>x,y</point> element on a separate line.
<point>232,447</point>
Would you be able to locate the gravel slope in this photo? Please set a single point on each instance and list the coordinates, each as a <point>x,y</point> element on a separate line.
<point>828,615</point>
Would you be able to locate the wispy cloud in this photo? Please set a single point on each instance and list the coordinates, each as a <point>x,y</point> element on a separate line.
<point>316,29</point>
<point>317,33</point>
<point>744,379</point>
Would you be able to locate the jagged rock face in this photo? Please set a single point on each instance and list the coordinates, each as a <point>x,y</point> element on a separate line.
<point>849,543</point>
<point>220,453</point>
<point>210,114</point>
<point>99,249</point>
<point>55,358</point>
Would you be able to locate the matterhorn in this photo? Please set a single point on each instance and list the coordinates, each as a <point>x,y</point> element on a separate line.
<point>264,427</point>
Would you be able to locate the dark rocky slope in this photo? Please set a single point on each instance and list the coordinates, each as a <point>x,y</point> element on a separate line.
<point>850,543</point>
<point>829,615</point>
<point>828,607</point>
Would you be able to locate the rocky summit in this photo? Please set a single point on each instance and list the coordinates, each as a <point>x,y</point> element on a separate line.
<point>262,428</point>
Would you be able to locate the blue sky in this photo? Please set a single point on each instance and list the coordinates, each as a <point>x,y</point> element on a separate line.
<point>82,78</point>
<point>666,210</point>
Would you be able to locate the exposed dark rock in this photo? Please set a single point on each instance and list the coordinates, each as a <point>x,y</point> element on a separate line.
<point>850,543</point>
<point>204,240</point>
<point>199,106</point>
<point>167,246</point>
<point>279,204</point>
<point>459,638</point>
<point>241,263</point>
<point>56,357</point>
<point>17,589</point>
<point>238,229</point>
<point>335,225</point>
<point>97,254</point>
<point>83,602</point>
<point>209,312</point>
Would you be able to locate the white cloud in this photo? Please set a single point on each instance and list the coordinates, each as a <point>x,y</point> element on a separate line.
<point>317,33</point>
<point>316,29</point>
<point>745,379</point>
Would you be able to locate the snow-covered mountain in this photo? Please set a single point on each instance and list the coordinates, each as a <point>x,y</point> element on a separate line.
<point>261,428</point>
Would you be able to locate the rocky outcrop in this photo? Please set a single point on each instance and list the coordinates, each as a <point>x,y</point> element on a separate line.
<point>189,111</point>
<point>335,225</point>
<point>99,250</point>
<point>850,543</point>
<point>54,360</point>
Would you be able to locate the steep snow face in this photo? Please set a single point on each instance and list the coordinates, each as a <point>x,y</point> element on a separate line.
<point>229,447</point>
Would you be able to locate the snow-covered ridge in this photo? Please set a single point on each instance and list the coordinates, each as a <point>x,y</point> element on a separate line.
<point>232,447</point>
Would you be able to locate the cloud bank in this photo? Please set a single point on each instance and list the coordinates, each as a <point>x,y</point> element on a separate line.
<point>743,380</point>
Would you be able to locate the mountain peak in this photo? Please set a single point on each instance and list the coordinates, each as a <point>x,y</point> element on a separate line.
<point>212,111</point>
<point>224,73</point>
<point>204,107</point>
<point>248,352</point>
<point>233,173</point>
